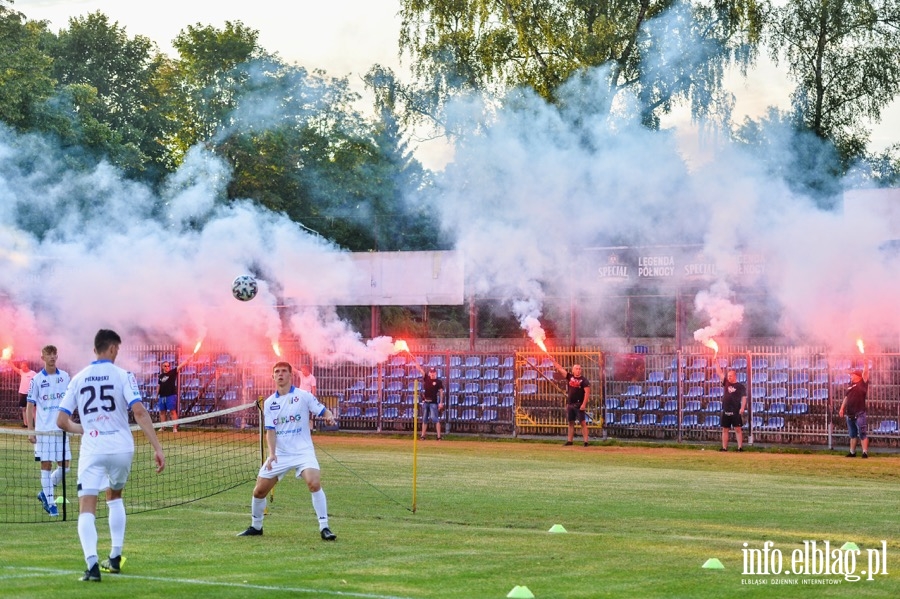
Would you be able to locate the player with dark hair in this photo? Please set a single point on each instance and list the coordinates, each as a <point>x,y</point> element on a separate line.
<point>286,416</point>
<point>47,389</point>
<point>102,394</point>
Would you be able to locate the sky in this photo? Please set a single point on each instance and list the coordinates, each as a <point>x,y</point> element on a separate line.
<point>528,187</point>
<point>346,37</point>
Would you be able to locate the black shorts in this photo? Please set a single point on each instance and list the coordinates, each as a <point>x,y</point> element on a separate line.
<point>574,413</point>
<point>23,400</point>
<point>732,419</point>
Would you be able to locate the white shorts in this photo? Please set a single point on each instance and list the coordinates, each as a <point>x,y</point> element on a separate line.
<point>103,471</point>
<point>49,448</point>
<point>286,464</point>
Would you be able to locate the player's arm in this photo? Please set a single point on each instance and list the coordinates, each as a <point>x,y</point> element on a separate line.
<point>271,445</point>
<point>559,367</point>
<point>843,407</point>
<point>29,418</point>
<point>65,422</point>
<point>587,396</point>
<point>865,372</point>
<point>743,404</point>
<point>142,417</point>
<point>419,367</point>
<point>328,416</point>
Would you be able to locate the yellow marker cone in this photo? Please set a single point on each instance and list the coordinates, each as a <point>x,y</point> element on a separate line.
<point>849,546</point>
<point>557,528</point>
<point>520,592</point>
<point>59,500</point>
<point>713,564</point>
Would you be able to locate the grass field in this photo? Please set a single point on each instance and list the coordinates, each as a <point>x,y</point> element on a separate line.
<point>641,522</point>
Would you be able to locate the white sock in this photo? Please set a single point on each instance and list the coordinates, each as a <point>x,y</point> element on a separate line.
<point>257,512</point>
<point>56,476</point>
<point>47,486</point>
<point>321,507</point>
<point>87,534</point>
<point>117,520</point>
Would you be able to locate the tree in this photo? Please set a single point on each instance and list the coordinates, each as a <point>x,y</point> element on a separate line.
<point>843,57</point>
<point>205,80</point>
<point>493,45</point>
<point>25,79</point>
<point>126,100</point>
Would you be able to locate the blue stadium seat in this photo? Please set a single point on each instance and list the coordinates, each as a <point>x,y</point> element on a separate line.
<point>698,363</point>
<point>777,393</point>
<point>671,405</point>
<point>780,364</point>
<point>648,420</point>
<point>820,364</point>
<point>757,407</point>
<point>761,376</point>
<point>491,388</point>
<point>669,420</point>
<point>800,378</point>
<point>472,374</point>
<point>627,419</point>
<point>392,398</point>
<point>758,391</point>
<point>508,362</point>
<point>610,418</point>
<point>507,401</point>
<point>455,373</point>
<point>689,420</point>
<point>713,406</point>
<point>491,374</point>
<point>819,378</point>
<point>775,423</point>
<point>885,427</point>
<point>407,414</point>
<point>757,422</point>
<point>799,408</point>
<point>611,403</point>
<point>799,394</point>
<point>711,421</point>
<point>469,401</point>
<point>760,363</point>
<point>672,391</point>
<point>655,376</point>
<point>694,392</point>
<point>529,375</point>
<point>800,364</point>
<point>650,405</point>
<point>473,361</point>
<point>507,375</point>
<point>698,376</point>
<point>391,413</point>
<point>632,391</point>
<point>357,386</point>
<point>489,401</point>
<point>469,414</point>
<point>352,412</point>
<point>653,391</point>
<point>528,389</point>
<point>455,361</point>
<point>671,377</point>
<point>741,377</point>
<point>778,378</point>
<point>630,404</point>
<point>739,363</point>
<point>472,387</point>
<point>489,415</point>
<point>436,361</point>
<point>508,389</point>
<point>776,408</point>
<point>819,394</point>
<point>842,379</point>
<point>491,362</point>
<point>453,387</point>
<point>394,386</point>
<point>692,406</point>
<point>354,398</point>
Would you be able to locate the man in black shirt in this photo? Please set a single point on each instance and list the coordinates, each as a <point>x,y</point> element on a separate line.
<point>578,391</point>
<point>432,400</point>
<point>168,392</point>
<point>734,403</point>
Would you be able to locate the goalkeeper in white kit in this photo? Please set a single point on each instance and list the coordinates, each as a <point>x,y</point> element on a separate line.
<point>286,415</point>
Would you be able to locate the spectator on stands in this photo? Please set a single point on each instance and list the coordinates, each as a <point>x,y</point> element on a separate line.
<point>734,403</point>
<point>168,392</point>
<point>432,400</point>
<point>578,392</point>
<point>307,380</point>
<point>854,409</point>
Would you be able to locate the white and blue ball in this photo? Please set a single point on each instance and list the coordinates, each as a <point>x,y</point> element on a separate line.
<point>244,288</point>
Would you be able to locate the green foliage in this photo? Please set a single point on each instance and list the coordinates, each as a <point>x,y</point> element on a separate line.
<point>465,45</point>
<point>25,79</point>
<point>842,56</point>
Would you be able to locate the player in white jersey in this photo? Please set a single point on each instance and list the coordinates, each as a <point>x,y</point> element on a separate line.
<point>102,394</point>
<point>44,394</point>
<point>286,416</point>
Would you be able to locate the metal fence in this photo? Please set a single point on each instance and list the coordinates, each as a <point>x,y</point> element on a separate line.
<point>793,394</point>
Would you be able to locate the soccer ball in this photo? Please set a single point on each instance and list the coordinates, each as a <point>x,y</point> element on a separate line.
<point>244,288</point>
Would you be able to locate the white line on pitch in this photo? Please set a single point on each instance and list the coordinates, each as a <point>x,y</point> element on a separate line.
<point>32,572</point>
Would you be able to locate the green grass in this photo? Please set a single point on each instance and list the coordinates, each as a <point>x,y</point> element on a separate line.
<point>641,522</point>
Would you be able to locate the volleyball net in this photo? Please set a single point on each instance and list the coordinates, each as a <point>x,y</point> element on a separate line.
<point>211,453</point>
